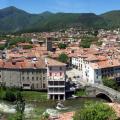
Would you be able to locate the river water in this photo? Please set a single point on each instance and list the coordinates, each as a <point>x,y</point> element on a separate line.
<point>35,109</point>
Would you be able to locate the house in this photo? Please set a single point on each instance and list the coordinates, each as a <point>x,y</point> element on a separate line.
<point>56,76</point>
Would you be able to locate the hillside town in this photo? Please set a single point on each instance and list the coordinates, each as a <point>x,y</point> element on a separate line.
<point>59,60</point>
<point>65,65</point>
<point>39,68</point>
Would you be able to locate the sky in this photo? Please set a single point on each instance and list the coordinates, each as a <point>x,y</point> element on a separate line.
<point>69,6</point>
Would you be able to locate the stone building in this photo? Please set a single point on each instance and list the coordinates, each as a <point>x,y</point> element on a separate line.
<point>24,73</point>
<point>42,74</point>
<point>49,43</point>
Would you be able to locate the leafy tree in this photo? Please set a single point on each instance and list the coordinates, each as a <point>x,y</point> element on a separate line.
<point>62,46</point>
<point>14,41</point>
<point>87,41</point>
<point>110,83</point>
<point>63,58</point>
<point>96,32</point>
<point>2,47</point>
<point>20,107</point>
<point>10,96</point>
<point>95,111</point>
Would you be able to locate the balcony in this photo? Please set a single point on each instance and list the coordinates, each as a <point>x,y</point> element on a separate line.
<point>56,79</point>
<point>56,83</point>
<point>54,86</point>
<point>56,92</point>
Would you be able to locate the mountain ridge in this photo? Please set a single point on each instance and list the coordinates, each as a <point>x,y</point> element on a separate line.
<point>13,20</point>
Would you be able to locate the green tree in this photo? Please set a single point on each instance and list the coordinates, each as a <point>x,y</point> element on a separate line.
<point>2,47</point>
<point>62,46</point>
<point>95,32</point>
<point>63,58</point>
<point>95,111</point>
<point>20,107</point>
<point>10,95</point>
<point>87,41</point>
<point>110,83</point>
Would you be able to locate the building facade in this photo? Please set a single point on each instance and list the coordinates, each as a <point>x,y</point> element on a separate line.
<point>24,74</point>
<point>96,67</point>
<point>35,75</point>
<point>56,75</point>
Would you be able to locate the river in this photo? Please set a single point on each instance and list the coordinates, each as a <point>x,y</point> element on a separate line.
<point>33,110</point>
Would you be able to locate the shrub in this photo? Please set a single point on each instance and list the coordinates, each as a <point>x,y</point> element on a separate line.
<point>10,96</point>
<point>95,111</point>
<point>110,83</point>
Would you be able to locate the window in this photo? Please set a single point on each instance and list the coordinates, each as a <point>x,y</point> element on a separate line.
<point>32,78</point>
<point>50,74</point>
<point>60,68</point>
<point>26,85</point>
<point>44,72</point>
<point>60,73</point>
<point>27,78</point>
<point>23,78</point>
<point>36,85</point>
<point>50,68</point>
<point>36,78</point>
<point>43,78</point>
<point>44,85</point>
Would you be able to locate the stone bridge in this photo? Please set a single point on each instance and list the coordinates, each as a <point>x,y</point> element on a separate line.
<point>104,92</point>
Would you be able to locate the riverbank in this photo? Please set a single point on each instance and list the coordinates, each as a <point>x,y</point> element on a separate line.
<point>66,116</point>
<point>10,95</point>
<point>116,107</point>
<point>34,96</point>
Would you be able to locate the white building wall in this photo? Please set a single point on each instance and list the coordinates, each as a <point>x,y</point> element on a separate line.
<point>56,74</point>
<point>77,62</point>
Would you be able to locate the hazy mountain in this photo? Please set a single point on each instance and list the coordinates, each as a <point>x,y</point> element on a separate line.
<point>13,19</point>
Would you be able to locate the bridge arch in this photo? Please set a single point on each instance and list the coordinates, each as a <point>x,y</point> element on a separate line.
<point>104,96</point>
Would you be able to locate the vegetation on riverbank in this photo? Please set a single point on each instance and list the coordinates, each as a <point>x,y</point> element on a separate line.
<point>95,111</point>
<point>112,83</point>
<point>10,95</point>
<point>30,97</point>
<point>81,93</point>
<point>34,96</point>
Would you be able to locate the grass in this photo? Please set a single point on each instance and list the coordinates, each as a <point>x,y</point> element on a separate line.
<point>2,93</point>
<point>34,96</point>
<point>28,95</point>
